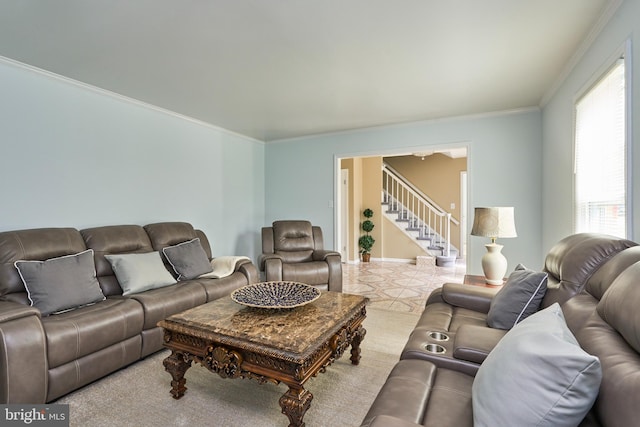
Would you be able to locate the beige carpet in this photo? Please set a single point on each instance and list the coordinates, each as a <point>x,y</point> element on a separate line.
<point>139,394</point>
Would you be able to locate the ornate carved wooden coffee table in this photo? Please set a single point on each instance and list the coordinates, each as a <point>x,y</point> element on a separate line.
<point>288,346</point>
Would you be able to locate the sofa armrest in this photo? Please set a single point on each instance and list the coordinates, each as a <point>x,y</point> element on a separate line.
<point>273,268</point>
<point>23,355</point>
<point>323,254</point>
<point>473,343</point>
<point>262,260</point>
<point>12,310</point>
<point>388,421</point>
<point>476,298</point>
<point>334,260</point>
<point>247,268</point>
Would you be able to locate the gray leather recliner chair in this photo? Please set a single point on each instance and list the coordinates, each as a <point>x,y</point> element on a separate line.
<point>294,251</point>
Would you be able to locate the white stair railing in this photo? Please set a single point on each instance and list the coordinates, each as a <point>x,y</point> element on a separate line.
<point>421,212</point>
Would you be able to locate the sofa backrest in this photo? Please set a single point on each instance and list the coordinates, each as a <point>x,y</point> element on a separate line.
<point>45,243</point>
<point>35,244</point>
<point>573,260</point>
<point>580,307</point>
<point>612,334</point>
<point>114,239</point>
<point>602,279</point>
<point>295,241</point>
<point>163,234</point>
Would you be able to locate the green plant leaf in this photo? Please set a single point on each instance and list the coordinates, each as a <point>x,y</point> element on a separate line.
<point>367,226</point>
<point>366,243</point>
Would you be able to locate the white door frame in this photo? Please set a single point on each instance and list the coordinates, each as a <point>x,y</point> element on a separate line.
<point>463,213</point>
<point>344,214</point>
<point>337,212</point>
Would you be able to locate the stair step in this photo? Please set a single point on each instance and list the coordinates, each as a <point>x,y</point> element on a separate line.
<point>444,261</point>
<point>411,225</point>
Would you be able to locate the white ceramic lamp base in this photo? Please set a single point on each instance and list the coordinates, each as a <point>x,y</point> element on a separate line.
<point>494,264</point>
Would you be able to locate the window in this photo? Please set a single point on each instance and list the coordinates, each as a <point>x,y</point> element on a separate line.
<point>601,156</point>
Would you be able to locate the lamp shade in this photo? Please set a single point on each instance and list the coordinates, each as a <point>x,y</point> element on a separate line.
<point>494,222</point>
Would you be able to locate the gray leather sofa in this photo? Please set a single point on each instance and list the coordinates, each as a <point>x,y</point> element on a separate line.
<point>294,251</point>
<point>461,310</point>
<point>594,277</point>
<point>43,357</point>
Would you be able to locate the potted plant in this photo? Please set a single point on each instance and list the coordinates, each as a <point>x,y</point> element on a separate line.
<point>366,241</point>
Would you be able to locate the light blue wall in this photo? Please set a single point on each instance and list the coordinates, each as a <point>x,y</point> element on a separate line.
<point>75,156</point>
<point>504,170</point>
<point>558,124</point>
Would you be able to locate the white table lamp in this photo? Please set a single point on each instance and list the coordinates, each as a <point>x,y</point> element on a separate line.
<point>494,223</point>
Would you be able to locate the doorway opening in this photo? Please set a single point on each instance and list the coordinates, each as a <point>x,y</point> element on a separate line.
<point>437,174</point>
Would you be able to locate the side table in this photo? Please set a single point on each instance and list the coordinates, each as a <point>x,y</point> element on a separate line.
<point>476,280</point>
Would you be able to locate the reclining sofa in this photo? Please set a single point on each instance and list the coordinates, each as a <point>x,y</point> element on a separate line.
<point>461,311</point>
<point>452,354</point>
<point>43,355</point>
<point>294,251</point>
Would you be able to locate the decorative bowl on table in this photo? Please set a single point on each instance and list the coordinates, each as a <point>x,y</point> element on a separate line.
<point>275,294</point>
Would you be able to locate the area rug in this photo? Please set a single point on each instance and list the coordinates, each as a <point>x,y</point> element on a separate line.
<point>139,394</point>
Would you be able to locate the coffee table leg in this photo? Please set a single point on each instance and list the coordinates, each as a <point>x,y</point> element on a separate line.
<point>294,404</point>
<point>176,365</point>
<point>355,345</point>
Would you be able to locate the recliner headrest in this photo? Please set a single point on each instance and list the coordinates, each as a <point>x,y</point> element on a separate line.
<point>619,305</point>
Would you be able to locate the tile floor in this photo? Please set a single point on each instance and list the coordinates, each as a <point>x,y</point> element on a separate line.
<point>398,286</point>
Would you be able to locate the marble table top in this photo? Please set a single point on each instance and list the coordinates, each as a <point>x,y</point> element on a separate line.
<point>294,332</point>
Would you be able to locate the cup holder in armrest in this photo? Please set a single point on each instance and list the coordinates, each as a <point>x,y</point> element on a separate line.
<point>435,348</point>
<point>438,336</point>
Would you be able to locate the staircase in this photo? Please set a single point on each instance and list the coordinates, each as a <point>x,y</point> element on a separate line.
<point>418,217</point>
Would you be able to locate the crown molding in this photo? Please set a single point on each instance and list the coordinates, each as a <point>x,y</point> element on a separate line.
<point>477,116</point>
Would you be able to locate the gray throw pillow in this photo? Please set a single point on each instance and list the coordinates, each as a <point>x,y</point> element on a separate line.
<point>519,298</point>
<point>188,259</point>
<point>537,375</point>
<point>140,272</point>
<point>60,284</point>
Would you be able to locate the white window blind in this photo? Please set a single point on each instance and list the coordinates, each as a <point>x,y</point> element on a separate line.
<point>600,156</point>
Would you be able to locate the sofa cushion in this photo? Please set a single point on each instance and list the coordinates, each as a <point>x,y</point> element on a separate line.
<point>537,375</point>
<point>440,316</point>
<point>519,298</point>
<point>419,392</point>
<point>311,273</point>
<point>78,333</point>
<point>188,259</point>
<point>61,283</point>
<point>161,303</point>
<point>140,272</point>
<point>222,287</point>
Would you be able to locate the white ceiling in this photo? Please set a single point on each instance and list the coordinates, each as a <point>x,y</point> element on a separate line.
<point>273,69</point>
